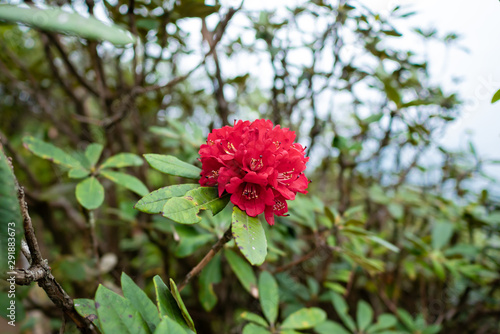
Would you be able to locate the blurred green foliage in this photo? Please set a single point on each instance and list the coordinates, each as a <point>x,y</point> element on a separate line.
<point>394,235</point>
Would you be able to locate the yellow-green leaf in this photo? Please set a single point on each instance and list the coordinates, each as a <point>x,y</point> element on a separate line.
<point>184,210</point>
<point>50,152</point>
<point>90,193</point>
<point>304,318</point>
<point>154,201</point>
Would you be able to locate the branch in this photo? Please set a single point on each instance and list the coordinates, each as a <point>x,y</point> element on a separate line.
<point>70,67</point>
<point>28,276</point>
<point>300,260</point>
<point>220,30</point>
<point>199,267</point>
<point>40,271</point>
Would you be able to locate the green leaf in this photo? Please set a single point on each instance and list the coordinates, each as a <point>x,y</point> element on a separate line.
<point>249,236</point>
<point>182,306</point>
<point>11,221</point>
<point>141,302</point>
<point>373,118</point>
<point>364,315</point>
<point>78,173</point>
<point>128,181</point>
<point>384,243</point>
<point>384,321</point>
<point>406,319</point>
<point>210,275</point>
<point>169,326</point>
<point>167,305</point>
<point>255,318</point>
<point>341,307</point>
<point>438,267</point>
<point>432,329</point>
<point>184,210</point>
<point>255,329</point>
<point>496,97</point>
<point>194,8</point>
<point>330,327</point>
<point>154,201</point>
<point>92,153</point>
<point>55,19</point>
<point>335,287</point>
<point>122,160</point>
<point>190,243</point>
<point>90,193</point>
<point>441,234</point>
<point>269,296</point>
<point>169,164</point>
<point>50,152</point>
<point>116,314</point>
<point>86,308</point>
<point>373,266</point>
<point>243,271</point>
<point>304,318</point>
<point>392,32</point>
<point>391,91</point>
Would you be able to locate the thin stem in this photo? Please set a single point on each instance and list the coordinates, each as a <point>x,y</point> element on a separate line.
<point>95,247</point>
<point>199,267</point>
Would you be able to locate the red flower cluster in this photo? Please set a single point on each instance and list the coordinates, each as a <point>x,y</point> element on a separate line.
<point>258,164</point>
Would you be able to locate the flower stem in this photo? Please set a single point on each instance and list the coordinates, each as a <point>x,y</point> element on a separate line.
<point>209,256</point>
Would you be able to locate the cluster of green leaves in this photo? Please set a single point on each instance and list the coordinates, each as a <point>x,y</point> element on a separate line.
<point>183,204</point>
<point>304,318</point>
<point>90,192</point>
<point>134,312</point>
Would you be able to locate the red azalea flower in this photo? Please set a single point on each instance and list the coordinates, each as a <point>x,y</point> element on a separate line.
<point>257,163</point>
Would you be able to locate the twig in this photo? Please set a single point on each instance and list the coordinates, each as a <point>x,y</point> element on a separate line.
<point>69,66</point>
<point>390,305</point>
<point>26,251</point>
<point>62,330</point>
<point>296,262</point>
<point>223,25</point>
<point>28,276</point>
<point>199,267</point>
<point>29,232</point>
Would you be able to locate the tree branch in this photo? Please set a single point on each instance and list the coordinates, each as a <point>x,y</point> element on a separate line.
<point>199,267</point>
<point>40,271</point>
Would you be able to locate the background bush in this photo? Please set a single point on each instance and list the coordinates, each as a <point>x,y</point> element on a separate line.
<point>393,231</point>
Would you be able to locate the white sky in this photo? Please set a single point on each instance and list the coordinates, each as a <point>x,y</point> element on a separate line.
<point>478,25</point>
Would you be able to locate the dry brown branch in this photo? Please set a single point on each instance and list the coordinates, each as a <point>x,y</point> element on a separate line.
<point>40,271</point>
